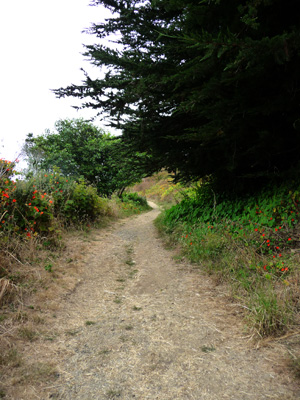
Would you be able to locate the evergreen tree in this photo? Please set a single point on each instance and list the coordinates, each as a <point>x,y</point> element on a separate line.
<point>207,87</point>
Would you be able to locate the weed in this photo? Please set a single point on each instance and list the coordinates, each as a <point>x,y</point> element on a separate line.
<point>118,300</point>
<point>104,351</point>
<point>88,323</point>
<point>48,267</point>
<point>132,273</point>
<point>113,394</point>
<point>207,349</point>
<point>120,279</point>
<point>135,308</point>
<point>72,332</point>
<point>130,262</point>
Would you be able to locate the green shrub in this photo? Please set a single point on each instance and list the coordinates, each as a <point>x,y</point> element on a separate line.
<point>134,197</point>
<point>246,241</point>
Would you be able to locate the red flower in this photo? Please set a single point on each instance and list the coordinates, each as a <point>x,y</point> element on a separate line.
<point>289,239</point>
<point>14,200</point>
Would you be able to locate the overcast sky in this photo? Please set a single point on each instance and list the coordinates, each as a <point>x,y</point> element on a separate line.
<point>40,49</point>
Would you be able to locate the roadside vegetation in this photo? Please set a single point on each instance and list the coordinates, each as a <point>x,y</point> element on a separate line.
<point>41,217</point>
<point>250,241</point>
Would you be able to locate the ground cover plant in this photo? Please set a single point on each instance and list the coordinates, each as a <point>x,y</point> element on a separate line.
<point>251,242</point>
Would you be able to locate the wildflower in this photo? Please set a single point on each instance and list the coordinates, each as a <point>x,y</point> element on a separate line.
<point>271,218</point>
<point>289,239</point>
<point>51,201</point>
<point>268,241</point>
<point>263,234</point>
<point>293,219</point>
<point>256,229</point>
<point>279,255</point>
<point>286,269</point>
<point>29,204</point>
<point>14,200</point>
<point>28,234</point>
<point>191,243</point>
<point>277,248</point>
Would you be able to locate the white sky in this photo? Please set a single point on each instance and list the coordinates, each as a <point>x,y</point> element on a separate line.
<point>40,49</point>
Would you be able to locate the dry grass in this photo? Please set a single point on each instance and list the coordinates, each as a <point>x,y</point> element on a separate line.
<point>28,294</point>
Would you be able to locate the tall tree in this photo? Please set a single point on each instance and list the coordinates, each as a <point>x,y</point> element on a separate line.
<point>80,149</point>
<point>208,87</point>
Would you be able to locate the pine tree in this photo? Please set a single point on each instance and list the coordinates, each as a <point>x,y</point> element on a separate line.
<point>207,87</point>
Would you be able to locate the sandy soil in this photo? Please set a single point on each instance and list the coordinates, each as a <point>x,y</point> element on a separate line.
<point>141,325</point>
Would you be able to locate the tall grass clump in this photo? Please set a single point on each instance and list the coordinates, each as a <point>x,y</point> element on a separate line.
<point>251,241</point>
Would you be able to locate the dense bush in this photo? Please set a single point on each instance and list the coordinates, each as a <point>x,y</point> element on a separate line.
<point>135,198</point>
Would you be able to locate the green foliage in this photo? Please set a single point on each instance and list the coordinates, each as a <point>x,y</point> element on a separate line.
<point>134,197</point>
<point>246,241</point>
<point>207,88</point>
<point>132,203</point>
<point>79,149</point>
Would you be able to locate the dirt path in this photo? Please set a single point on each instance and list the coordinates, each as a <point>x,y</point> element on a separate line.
<point>141,326</point>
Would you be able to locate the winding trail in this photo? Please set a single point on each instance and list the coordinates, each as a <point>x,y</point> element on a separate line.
<point>142,326</point>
